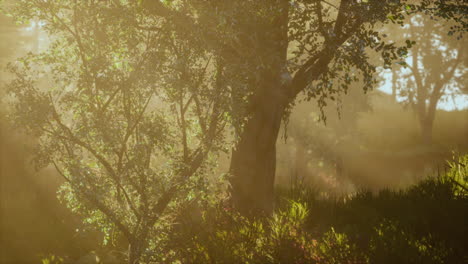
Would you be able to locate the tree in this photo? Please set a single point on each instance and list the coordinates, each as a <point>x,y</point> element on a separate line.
<point>269,51</point>
<point>436,70</point>
<point>127,116</point>
<point>299,37</point>
<point>328,51</point>
<point>316,47</point>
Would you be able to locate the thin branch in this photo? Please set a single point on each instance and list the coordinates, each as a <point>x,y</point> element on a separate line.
<point>104,209</point>
<point>315,66</point>
<point>100,158</point>
<point>190,26</point>
<point>196,159</point>
<point>330,4</point>
<point>61,172</point>
<point>130,131</point>
<point>148,28</point>
<point>183,126</point>
<point>318,11</point>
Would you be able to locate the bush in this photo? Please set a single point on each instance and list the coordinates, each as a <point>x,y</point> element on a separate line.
<point>394,226</point>
<point>425,223</point>
<point>392,243</point>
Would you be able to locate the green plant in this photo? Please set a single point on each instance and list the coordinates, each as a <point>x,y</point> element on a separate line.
<point>335,248</point>
<point>52,259</point>
<point>392,243</point>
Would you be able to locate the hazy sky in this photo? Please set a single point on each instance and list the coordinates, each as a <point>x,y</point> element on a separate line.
<point>458,102</point>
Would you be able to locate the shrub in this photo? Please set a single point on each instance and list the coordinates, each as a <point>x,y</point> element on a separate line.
<point>393,226</point>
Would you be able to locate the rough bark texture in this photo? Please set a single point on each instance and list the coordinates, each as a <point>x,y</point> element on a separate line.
<point>253,162</point>
<point>426,130</point>
<point>134,253</point>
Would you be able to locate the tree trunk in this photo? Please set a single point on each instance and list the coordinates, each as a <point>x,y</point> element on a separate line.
<point>427,117</point>
<point>426,131</point>
<point>394,84</point>
<point>253,162</point>
<point>134,252</point>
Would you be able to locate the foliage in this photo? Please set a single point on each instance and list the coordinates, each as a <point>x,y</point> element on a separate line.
<point>224,236</point>
<point>128,117</point>
<point>52,259</point>
<point>392,243</point>
<point>405,226</point>
<point>457,176</point>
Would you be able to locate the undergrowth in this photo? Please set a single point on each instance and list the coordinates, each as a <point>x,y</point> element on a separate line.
<point>425,223</point>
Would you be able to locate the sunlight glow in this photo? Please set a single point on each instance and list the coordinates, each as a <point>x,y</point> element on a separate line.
<point>448,103</point>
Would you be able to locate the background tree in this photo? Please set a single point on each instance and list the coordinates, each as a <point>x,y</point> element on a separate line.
<point>435,72</point>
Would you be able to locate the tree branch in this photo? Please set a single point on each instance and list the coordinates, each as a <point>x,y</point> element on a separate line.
<point>196,158</point>
<point>342,17</point>
<point>318,63</point>
<point>104,209</point>
<point>190,26</point>
<point>100,158</point>
<point>318,11</point>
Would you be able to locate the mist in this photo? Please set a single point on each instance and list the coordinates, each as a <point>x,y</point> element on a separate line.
<point>102,123</point>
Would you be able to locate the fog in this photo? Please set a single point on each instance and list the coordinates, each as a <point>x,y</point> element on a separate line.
<point>379,147</point>
<point>370,140</point>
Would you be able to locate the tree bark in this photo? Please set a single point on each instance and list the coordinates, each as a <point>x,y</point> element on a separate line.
<point>134,252</point>
<point>426,132</point>
<point>253,161</point>
<point>394,84</point>
<point>427,123</point>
